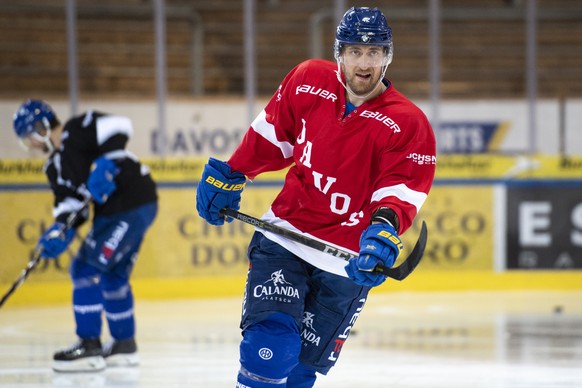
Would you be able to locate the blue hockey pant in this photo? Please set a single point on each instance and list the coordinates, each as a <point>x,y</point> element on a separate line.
<point>101,271</point>
<point>321,308</point>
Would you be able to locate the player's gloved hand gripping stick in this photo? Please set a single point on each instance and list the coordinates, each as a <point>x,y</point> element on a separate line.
<point>55,240</point>
<point>379,245</point>
<point>52,243</point>
<point>397,273</point>
<point>219,187</point>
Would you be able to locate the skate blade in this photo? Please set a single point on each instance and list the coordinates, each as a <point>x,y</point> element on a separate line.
<point>131,359</point>
<point>86,364</point>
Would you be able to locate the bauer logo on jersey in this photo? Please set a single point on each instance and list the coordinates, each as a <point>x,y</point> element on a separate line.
<point>276,289</point>
<point>387,121</point>
<point>316,91</point>
<point>308,333</point>
<point>113,242</point>
<point>422,159</point>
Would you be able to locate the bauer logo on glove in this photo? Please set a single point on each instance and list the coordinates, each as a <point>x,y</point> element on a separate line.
<point>391,237</point>
<point>379,244</point>
<point>225,185</point>
<point>219,188</point>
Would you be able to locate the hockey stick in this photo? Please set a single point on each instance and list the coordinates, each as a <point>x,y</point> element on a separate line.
<point>398,273</point>
<point>38,251</point>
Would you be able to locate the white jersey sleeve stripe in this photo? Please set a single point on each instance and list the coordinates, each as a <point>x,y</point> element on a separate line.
<point>108,126</point>
<point>267,130</point>
<point>403,193</point>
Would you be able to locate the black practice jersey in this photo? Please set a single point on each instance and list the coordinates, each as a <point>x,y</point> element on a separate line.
<point>84,139</point>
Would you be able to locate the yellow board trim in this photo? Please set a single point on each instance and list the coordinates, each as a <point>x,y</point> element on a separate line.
<point>54,293</point>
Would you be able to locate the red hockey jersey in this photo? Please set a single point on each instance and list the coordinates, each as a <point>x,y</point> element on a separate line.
<point>383,154</point>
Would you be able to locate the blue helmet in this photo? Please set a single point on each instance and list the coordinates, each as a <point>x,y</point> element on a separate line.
<point>363,25</point>
<point>31,116</point>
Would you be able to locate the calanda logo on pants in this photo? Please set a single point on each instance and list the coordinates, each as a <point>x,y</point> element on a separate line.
<point>308,333</point>
<point>276,288</point>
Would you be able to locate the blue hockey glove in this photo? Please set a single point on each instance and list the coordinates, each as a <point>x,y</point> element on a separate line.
<point>379,244</point>
<point>55,240</point>
<point>219,187</point>
<point>101,183</point>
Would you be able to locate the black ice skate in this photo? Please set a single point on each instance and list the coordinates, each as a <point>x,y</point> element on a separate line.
<point>121,353</point>
<point>84,356</point>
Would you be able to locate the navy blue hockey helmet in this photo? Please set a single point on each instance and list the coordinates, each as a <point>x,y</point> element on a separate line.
<point>363,25</point>
<point>34,119</point>
<point>31,116</point>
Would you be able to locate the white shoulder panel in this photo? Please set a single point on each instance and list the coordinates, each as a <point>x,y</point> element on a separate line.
<point>108,126</point>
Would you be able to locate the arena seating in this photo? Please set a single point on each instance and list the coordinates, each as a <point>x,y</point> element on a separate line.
<point>483,46</point>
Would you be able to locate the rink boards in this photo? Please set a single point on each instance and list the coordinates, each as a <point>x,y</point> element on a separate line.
<point>495,223</point>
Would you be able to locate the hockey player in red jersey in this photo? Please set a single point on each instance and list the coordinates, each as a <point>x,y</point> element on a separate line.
<point>361,160</point>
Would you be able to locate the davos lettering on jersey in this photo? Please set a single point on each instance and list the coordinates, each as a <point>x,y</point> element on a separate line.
<point>343,335</point>
<point>316,91</point>
<point>339,202</point>
<point>382,118</point>
<point>276,289</point>
<point>113,242</point>
<point>309,334</point>
<point>422,159</point>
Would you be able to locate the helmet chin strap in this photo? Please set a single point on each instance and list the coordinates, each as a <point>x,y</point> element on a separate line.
<point>350,91</point>
<point>46,140</point>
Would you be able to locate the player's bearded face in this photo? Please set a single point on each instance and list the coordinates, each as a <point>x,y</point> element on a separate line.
<point>362,67</point>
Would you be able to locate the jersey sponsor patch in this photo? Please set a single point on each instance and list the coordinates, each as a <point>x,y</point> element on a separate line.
<point>421,159</point>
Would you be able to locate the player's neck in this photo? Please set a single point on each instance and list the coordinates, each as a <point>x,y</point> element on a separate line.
<point>357,100</point>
